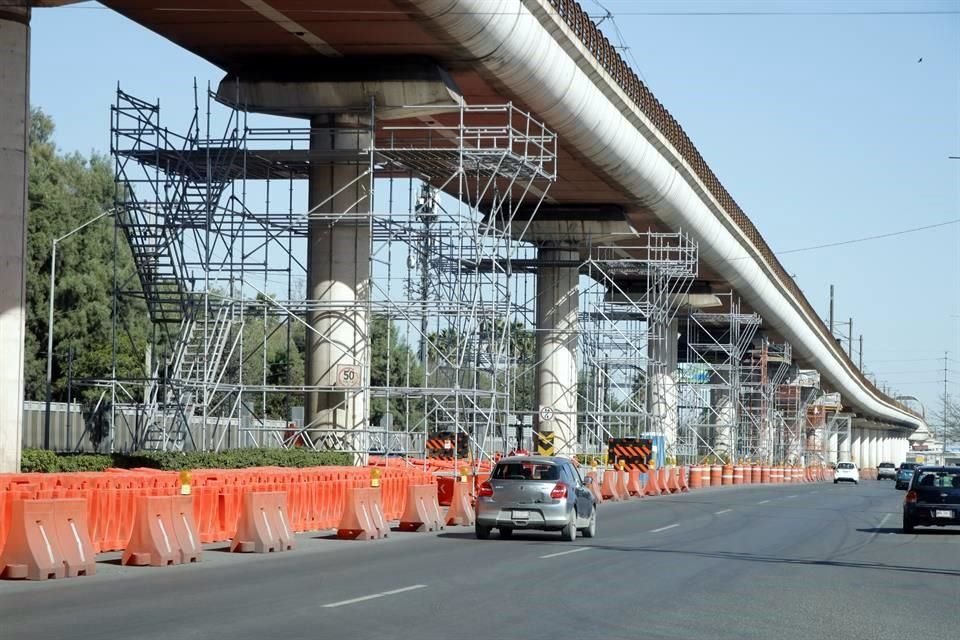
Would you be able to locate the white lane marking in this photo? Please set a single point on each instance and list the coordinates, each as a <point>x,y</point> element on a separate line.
<point>763,502</point>
<point>717,513</point>
<point>563,553</point>
<point>374,596</point>
<point>669,526</point>
<point>879,526</point>
<point>793,496</point>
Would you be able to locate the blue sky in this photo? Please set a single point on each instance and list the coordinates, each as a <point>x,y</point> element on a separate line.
<point>823,127</point>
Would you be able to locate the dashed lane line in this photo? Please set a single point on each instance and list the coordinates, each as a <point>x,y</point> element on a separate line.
<point>564,553</point>
<point>374,596</point>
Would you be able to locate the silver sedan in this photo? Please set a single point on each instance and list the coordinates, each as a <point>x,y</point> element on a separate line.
<point>536,492</point>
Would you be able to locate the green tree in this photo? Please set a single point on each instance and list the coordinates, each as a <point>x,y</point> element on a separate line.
<point>66,190</point>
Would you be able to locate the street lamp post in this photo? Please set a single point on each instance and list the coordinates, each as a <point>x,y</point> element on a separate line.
<point>53,277</point>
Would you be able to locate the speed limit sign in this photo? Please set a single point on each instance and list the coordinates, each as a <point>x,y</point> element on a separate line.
<point>348,375</point>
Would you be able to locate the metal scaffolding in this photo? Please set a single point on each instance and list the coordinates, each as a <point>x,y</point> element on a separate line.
<point>218,229</point>
<point>627,344</point>
<point>712,381</point>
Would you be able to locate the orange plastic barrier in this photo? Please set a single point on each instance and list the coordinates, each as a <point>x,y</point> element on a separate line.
<point>594,486</point>
<point>461,506</point>
<point>164,532</point>
<point>609,487</point>
<point>776,475</point>
<point>263,524</point>
<point>756,474</point>
<point>363,517</point>
<point>316,497</point>
<point>422,512</point>
<point>682,479</point>
<point>622,477</point>
<point>652,487</point>
<point>673,484</point>
<point>47,539</point>
<point>634,488</point>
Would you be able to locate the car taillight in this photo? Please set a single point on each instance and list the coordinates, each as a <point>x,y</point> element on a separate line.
<point>911,497</point>
<point>486,490</point>
<point>559,491</point>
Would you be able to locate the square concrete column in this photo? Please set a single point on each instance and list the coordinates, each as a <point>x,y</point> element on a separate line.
<point>14,140</point>
<point>855,454</point>
<point>558,302</point>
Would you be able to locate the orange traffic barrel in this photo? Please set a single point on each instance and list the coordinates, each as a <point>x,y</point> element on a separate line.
<point>727,474</point>
<point>705,475</point>
<point>696,479</point>
<point>738,474</point>
<point>716,472</point>
<point>765,475</point>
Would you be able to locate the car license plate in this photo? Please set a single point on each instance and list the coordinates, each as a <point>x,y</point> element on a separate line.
<point>943,513</point>
<point>521,515</point>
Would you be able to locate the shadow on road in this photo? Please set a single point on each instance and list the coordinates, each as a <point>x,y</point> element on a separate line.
<point>748,557</point>
<point>916,532</point>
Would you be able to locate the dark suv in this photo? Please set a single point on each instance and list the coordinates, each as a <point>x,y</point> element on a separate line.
<point>905,474</point>
<point>886,470</point>
<point>933,498</point>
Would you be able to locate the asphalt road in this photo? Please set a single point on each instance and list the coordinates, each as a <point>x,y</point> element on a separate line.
<point>806,561</point>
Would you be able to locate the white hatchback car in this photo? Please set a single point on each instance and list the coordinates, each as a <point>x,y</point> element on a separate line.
<point>846,472</point>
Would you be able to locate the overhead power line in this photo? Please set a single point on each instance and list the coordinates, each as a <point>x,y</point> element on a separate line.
<point>875,237</point>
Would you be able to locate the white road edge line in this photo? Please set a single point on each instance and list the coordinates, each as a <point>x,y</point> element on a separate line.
<point>374,596</point>
<point>763,502</point>
<point>563,553</point>
<point>793,496</point>
<point>669,526</point>
<point>717,513</point>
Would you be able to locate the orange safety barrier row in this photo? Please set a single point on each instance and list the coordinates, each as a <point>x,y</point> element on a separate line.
<point>315,497</point>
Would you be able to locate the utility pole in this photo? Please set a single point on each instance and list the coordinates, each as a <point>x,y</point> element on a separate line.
<point>861,352</point>
<point>943,457</point>
<point>831,311</point>
<point>850,339</point>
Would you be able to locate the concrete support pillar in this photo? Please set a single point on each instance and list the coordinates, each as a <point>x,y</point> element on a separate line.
<point>855,448</point>
<point>557,328</point>
<point>833,447</point>
<point>723,415</point>
<point>338,274</point>
<point>14,129</point>
<point>662,384</point>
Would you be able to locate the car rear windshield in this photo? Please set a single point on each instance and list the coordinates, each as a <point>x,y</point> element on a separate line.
<point>886,465</point>
<point>939,479</point>
<point>845,465</point>
<point>909,465</point>
<point>526,471</point>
